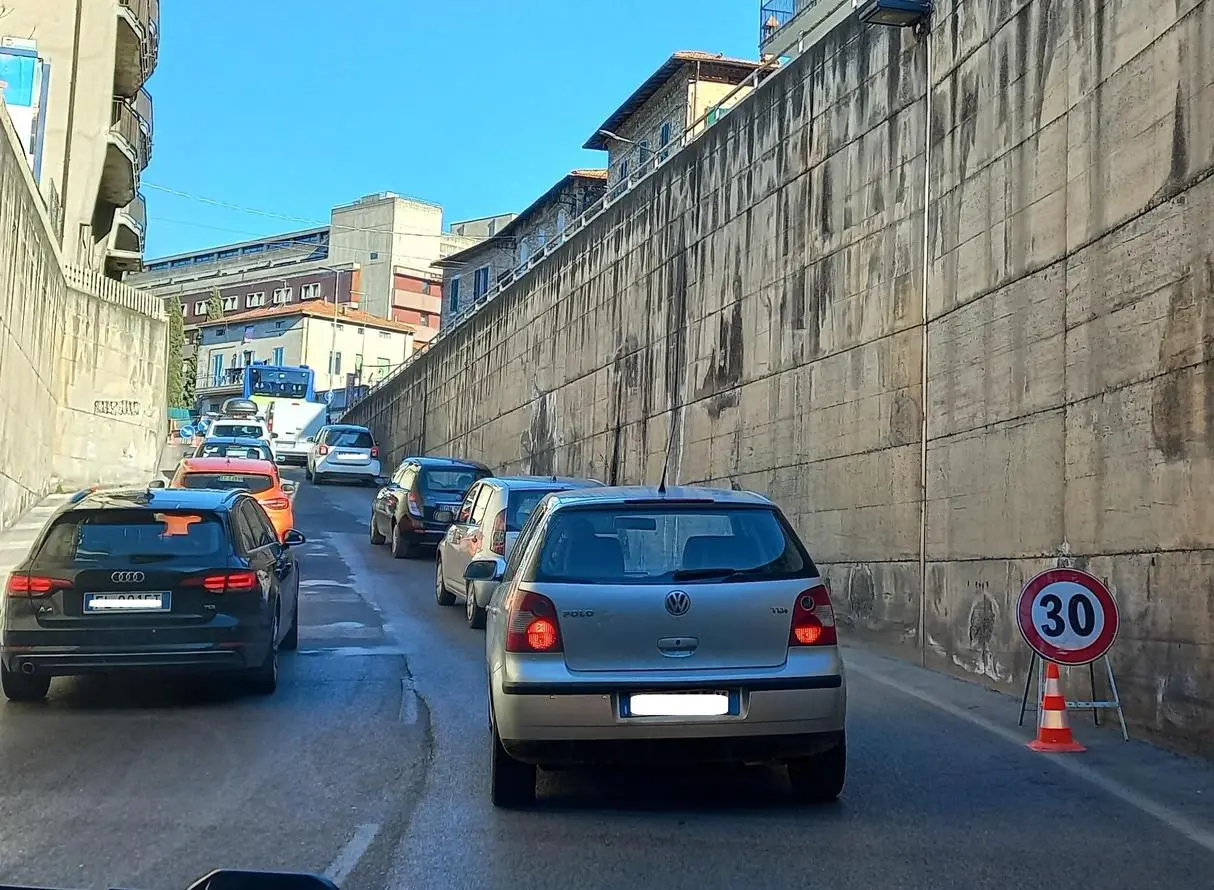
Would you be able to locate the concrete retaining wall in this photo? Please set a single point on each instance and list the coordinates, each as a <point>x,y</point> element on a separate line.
<point>776,277</point>
<point>82,359</point>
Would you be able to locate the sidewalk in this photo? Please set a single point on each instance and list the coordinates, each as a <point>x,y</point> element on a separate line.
<point>15,540</point>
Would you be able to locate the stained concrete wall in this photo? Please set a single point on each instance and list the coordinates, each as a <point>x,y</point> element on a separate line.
<point>82,359</point>
<point>774,278</point>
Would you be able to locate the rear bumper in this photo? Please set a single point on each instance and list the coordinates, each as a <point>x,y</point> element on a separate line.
<point>369,470</point>
<point>293,452</point>
<point>71,661</point>
<point>680,752</point>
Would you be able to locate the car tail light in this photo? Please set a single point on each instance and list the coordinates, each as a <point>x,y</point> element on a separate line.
<point>415,504</point>
<point>813,619</point>
<point>498,544</point>
<point>322,449</point>
<point>375,452</point>
<point>23,585</point>
<point>276,503</point>
<point>227,582</point>
<point>531,624</point>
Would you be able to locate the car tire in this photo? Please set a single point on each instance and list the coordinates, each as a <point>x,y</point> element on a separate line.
<point>474,613</point>
<point>442,595</point>
<point>401,549</point>
<point>819,779</point>
<point>511,782</point>
<point>308,472</point>
<point>24,687</point>
<point>291,641</point>
<point>318,479</point>
<point>263,680</point>
<point>376,537</point>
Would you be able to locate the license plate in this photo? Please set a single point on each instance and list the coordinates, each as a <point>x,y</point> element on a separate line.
<point>126,603</point>
<point>352,458</point>
<point>679,704</point>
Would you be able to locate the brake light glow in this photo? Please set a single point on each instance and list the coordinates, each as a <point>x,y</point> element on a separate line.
<point>498,544</point>
<point>276,503</point>
<point>34,586</point>
<point>227,582</point>
<point>322,449</point>
<point>531,624</point>
<point>415,504</point>
<point>375,452</point>
<point>813,619</point>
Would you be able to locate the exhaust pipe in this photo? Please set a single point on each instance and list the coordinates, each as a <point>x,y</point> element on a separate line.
<point>27,667</point>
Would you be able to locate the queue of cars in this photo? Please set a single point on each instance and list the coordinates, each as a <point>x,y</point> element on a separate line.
<point>196,575</point>
<point>629,625</point>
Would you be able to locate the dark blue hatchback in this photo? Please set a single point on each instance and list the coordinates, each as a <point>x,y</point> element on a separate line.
<point>419,503</point>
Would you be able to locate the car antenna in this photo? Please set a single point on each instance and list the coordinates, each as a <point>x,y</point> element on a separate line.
<point>666,463</point>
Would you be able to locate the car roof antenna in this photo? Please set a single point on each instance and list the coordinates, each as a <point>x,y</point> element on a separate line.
<point>666,463</point>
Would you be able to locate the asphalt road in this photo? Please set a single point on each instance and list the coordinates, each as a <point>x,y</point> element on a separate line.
<point>371,763</point>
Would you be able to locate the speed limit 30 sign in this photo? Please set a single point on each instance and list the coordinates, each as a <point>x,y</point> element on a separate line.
<point>1067,616</point>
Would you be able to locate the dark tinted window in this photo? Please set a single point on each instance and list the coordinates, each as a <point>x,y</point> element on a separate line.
<point>139,535</point>
<point>448,481</point>
<point>238,430</point>
<point>250,452</point>
<point>650,544</point>
<point>350,439</point>
<point>522,504</point>
<point>254,482</point>
<point>289,384</point>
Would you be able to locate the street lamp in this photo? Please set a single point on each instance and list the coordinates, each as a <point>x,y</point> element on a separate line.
<point>895,13</point>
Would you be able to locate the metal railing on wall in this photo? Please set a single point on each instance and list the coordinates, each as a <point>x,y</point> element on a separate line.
<point>657,158</point>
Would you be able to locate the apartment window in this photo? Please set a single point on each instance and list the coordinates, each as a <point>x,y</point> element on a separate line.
<point>334,362</point>
<point>425,319</point>
<point>643,151</point>
<point>453,299</point>
<point>248,358</point>
<point>282,295</point>
<point>624,170</point>
<point>185,310</point>
<point>375,254</point>
<point>279,325</point>
<point>230,303</point>
<point>252,301</point>
<point>480,282</point>
<point>426,288</point>
<point>200,308</point>
<point>309,292</point>
<point>385,335</point>
<point>358,363</point>
<point>664,139</point>
<point>217,369</point>
<point>221,331</point>
<point>279,355</point>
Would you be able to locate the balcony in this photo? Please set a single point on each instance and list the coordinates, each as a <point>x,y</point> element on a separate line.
<point>125,251</point>
<point>143,111</point>
<point>138,45</point>
<point>785,25</point>
<point>126,155</point>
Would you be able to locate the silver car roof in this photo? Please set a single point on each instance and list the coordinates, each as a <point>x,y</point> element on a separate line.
<point>525,482</point>
<point>620,494</point>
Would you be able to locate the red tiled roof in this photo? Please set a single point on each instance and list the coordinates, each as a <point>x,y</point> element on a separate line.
<point>312,309</point>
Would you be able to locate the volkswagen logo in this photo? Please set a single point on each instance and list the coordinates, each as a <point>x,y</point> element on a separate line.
<point>678,603</point>
<point>127,577</point>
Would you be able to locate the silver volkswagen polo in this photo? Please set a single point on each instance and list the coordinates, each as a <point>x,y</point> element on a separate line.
<point>638,625</point>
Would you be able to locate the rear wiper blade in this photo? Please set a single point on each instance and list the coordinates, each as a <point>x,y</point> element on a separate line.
<point>693,574</point>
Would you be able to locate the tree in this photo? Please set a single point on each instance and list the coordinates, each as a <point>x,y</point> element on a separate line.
<point>176,382</point>
<point>215,305</point>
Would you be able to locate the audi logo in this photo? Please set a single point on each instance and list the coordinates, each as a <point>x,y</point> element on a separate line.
<point>678,603</point>
<point>127,577</point>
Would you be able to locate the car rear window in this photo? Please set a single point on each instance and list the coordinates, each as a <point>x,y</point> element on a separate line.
<point>454,482</point>
<point>250,452</point>
<point>521,504</point>
<point>136,535</point>
<point>667,544</point>
<point>350,439</point>
<point>254,482</point>
<point>238,430</point>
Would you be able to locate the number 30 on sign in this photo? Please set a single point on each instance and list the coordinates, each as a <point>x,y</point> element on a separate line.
<point>1067,616</point>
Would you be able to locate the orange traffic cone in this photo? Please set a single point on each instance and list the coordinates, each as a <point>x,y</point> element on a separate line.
<point>1053,730</point>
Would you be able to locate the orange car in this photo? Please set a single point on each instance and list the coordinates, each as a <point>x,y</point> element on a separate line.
<point>259,477</point>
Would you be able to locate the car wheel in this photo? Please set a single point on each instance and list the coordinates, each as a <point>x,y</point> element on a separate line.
<point>264,679</point>
<point>442,596</point>
<point>24,687</point>
<point>376,537</point>
<point>401,548</point>
<point>512,782</point>
<point>308,472</point>
<point>474,613</point>
<point>819,779</point>
<point>318,479</point>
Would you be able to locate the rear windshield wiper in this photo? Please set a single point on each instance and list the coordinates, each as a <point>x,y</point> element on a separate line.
<point>722,574</point>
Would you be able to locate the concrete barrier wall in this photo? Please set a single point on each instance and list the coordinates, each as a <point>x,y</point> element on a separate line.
<point>82,359</point>
<point>775,278</point>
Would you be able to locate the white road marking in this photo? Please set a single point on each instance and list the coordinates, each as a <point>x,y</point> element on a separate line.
<point>1199,835</point>
<point>351,853</point>
<point>408,702</point>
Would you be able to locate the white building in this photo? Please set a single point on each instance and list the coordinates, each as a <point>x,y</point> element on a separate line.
<point>305,334</point>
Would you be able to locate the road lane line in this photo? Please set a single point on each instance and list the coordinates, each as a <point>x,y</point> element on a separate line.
<point>1199,835</point>
<point>408,702</point>
<point>354,850</point>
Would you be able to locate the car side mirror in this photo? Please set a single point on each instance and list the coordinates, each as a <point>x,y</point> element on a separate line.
<point>485,570</point>
<point>157,483</point>
<point>310,439</point>
<point>234,879</point>
<point>293,538</point>
<point>288,486</point>
<point>273,435</point>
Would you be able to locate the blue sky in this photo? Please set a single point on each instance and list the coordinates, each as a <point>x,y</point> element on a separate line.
<point>285,108</point>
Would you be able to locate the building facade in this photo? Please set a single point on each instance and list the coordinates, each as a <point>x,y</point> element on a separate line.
<point>672,101</point>
<point>330,339</point>
<point>75,76</point>
<point>417,300</point>
<point>470,274</point>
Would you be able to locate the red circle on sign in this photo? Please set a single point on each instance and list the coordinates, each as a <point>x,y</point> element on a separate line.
<point>1046,649</point>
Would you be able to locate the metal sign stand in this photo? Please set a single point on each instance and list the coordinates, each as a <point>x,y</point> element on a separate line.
<point>1093,704</point>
